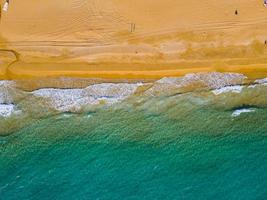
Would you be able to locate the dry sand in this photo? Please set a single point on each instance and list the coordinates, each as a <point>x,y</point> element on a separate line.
<point>132,39</point>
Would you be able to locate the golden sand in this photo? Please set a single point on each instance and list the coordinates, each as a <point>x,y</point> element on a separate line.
<point>132,39</point>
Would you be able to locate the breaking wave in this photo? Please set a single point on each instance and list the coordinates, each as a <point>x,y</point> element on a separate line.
<point>72,100</point>
<point>234,89</point>
<point>107,94</point>
<point>238,112</point>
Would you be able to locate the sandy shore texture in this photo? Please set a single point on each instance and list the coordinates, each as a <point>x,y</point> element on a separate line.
<point>132,39</point>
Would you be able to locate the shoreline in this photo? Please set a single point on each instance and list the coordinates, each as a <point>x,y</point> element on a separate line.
<point>22,101</point>
<point>116,71</point>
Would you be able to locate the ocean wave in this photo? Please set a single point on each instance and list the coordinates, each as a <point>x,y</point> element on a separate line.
<point>73,100</point>
<point>238,112</point>
<point>7,110</point>
<point>6,92</point>
<point>106,94</point>
<point>233,89</point>
<point>191,82</point>
<point>253,86</point>
<point>212,80</point>
<point>260,81</point>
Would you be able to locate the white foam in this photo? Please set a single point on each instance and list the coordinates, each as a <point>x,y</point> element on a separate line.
<point>233,89</point>
<point>6,110</point>
<point>215,80</point>
<point>5,7</point>
<point>261,81</point>
<point>66,115</point>
<point>252,86</point>
<point>74,100</point>
<point>211,80</point>
<point>6,92</point>
<point>238,112</point>
<point>65,100</point>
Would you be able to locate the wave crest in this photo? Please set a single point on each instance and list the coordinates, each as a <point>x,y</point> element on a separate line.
<point>73,100</point>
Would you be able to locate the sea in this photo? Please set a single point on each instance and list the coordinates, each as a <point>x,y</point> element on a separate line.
<point>202,136</point>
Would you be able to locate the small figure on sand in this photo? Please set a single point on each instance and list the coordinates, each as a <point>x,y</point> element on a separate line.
<point>236,12</point>
<point>5,7</point>
<point>265,3</point>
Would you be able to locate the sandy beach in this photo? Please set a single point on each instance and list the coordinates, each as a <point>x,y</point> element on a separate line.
<point>132,39</point>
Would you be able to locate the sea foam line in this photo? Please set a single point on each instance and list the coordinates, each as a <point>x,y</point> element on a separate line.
<point>261,81</point>
<point>74,99</point>
<point>238,112</point>
<point>6,110</point>
<point>233,89</point>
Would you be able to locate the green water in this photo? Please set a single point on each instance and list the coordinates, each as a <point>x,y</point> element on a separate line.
<point>163,148</point>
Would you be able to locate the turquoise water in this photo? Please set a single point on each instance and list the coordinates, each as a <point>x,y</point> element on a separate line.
<point>176,147</point>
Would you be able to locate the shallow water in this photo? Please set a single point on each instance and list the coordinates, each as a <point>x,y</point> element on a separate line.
<point>181,146</point>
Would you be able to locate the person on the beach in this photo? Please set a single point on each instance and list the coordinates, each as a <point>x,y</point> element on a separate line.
<point>5,7</point>
<point>265,3</point>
